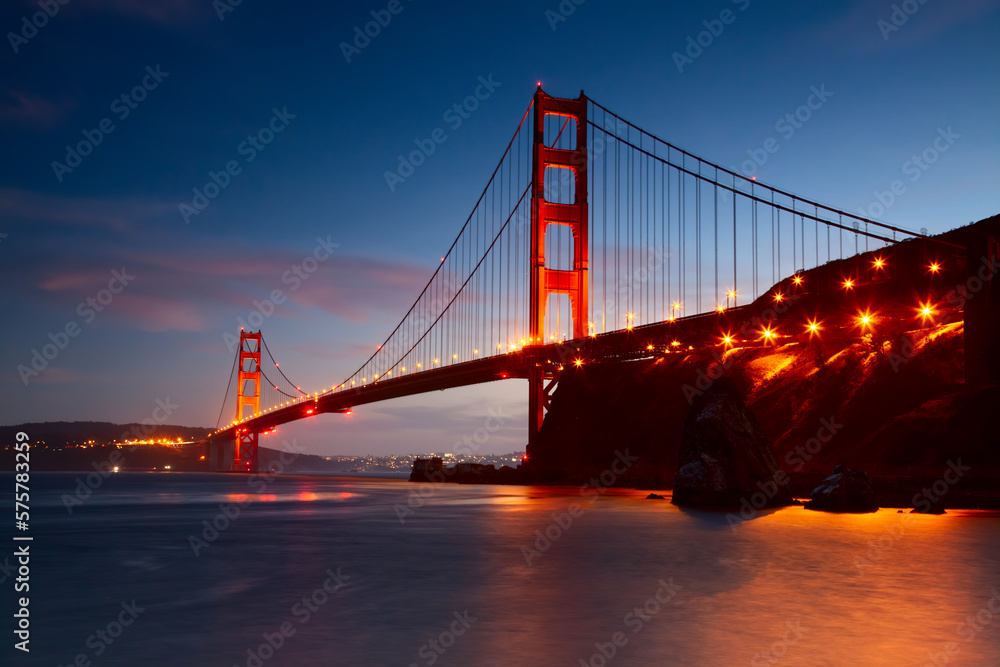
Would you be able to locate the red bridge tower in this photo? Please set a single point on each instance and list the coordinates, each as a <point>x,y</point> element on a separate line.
<point>247,395</point>
<point>545,281</point>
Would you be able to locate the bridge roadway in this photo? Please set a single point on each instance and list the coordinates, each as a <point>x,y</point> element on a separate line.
<point>624,344</point>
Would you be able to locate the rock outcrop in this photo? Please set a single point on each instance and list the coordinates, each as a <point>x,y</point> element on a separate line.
<point>844,491</point>
<point>725,460</point>
<point>927,506</point>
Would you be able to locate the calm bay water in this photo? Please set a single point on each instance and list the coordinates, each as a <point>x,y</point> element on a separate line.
<point>789,587</point>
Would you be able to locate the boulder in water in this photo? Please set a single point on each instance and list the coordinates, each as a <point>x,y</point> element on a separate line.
<point>844,491</point>
<point>929,507</point>
<point>725,459</point>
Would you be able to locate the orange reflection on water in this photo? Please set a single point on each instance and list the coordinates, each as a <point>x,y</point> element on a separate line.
<point>859,589</point>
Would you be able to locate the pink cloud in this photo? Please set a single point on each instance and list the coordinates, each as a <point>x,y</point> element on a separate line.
<point>859,27</point>
<point>158,314</point>
<point>77,211</point>
<point>343,351</point>
<point>164,12</point>
<point>187,290</point>
<point>73,280</point>
<point>185,286</point>
<point>56,375</point>
<point>32,111</point>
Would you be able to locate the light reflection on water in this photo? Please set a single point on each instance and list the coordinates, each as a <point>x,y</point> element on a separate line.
<point>791,582</point>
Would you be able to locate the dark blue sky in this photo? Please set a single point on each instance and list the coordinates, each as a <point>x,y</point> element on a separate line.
<point>891,94</point>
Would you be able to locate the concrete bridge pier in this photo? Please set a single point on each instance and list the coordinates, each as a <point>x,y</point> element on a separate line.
<point>219,455</point>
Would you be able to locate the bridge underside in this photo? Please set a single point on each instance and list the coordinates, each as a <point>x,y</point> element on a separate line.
<point>616,345</point>
<point>824,297</point>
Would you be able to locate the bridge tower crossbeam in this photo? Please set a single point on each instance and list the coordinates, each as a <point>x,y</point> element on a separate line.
<point>545,281</point>
<point>247,395</point>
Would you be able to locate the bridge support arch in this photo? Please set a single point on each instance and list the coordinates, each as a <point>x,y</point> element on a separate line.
<point>545,281</point>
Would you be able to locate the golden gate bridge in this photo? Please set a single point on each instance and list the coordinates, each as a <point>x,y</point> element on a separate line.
<point>596,240</point>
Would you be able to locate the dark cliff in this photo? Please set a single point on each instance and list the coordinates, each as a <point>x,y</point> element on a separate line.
<point>889,396</point>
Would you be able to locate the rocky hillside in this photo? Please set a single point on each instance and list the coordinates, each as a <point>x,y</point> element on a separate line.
<point>878,385</point>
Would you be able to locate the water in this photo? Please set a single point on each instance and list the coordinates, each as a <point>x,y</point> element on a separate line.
<point>789,582</point>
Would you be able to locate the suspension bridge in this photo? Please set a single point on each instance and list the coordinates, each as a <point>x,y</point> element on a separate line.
<point>595,240</point>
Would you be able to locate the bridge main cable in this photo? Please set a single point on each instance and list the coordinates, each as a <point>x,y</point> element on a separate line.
<point>441,265</point>
<point>752,183</point>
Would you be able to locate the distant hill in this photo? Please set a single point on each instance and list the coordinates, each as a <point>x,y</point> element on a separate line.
<point>66,446</point>
<point>72,433</point>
